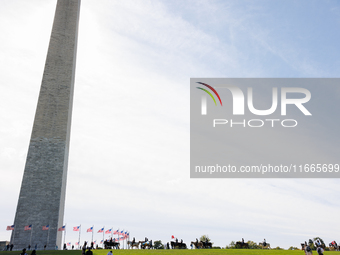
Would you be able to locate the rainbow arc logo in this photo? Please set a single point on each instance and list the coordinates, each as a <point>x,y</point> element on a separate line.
<point>209,93</point>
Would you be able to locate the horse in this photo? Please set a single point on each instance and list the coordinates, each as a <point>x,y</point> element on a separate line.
<point>134,244</point>
<point>306,249</point>
<point>178,245</point>
<point>207,245</point>
<point>266,246</point>
<point>109,244</point>
<point>334,246</point>
<point>198,245</point>
<point>240,245</point>
<point>146,245</point>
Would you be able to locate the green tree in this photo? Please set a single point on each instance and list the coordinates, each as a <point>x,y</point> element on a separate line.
<point>293,248</point>
<point>253,245</point>
<point>231,245</point>
<point>158,245</point>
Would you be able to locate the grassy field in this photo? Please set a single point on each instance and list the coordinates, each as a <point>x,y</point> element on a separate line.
<point>175,252</point>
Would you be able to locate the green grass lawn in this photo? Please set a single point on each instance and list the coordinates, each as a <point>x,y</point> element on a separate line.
<point>200,252</point>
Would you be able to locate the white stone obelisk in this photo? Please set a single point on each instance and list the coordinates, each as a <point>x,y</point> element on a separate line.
<point>42,195</point>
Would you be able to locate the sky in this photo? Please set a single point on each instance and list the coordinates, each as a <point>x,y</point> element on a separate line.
<point>129,151</point>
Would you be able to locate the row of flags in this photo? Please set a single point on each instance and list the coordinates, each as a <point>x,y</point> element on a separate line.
<point>77,228</point>
<point>109,231</point>
<point>28,227</point>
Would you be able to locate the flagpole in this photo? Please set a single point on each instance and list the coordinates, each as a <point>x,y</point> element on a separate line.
<point>48,235</point>
<point>126,239</point>
<point>118,234</point>
<point>123,240</point>
<point>31,236</point>
<point>92,232</point>
<point>111,233</point>
<point>64,237</point>
<point>103,236</point>
<point>79,233</point>
<point>12,241</point>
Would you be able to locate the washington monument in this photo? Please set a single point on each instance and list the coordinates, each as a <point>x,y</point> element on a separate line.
<point>42,195</point>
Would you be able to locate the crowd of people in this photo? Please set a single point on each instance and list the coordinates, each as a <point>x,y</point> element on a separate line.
<point>9,247</point>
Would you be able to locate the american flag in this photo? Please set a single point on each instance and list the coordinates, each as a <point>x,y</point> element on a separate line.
<point>89,229</point>
<point>77,243</point>
<point>108,231</point>
<point>101,230</point>
<point>10,227</point>
<point>101,241</point>
<point>61,228</point>
<point>29,227</point>
<point>76,228</point>
<point>68,244</point>
<point>94,242</point>
<point>45,227</point>
<point>122,232</point>
<point>116,232</point>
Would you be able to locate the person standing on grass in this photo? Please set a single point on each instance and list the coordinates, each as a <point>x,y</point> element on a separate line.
<point>89,252</point>
<point>23,252</point>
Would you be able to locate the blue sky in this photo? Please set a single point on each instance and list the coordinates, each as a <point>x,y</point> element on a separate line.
<point>129,155</point>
